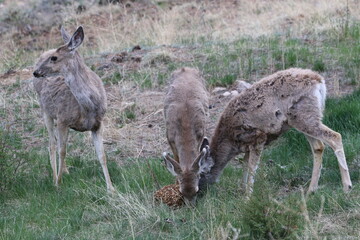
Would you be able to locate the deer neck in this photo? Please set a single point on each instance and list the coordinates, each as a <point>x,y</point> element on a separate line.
<point>186,158</point>
<point>85,85</point>
<point>222,150</point>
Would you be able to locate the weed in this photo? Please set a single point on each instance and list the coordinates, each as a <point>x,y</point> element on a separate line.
<point>318,66</point>
<point>115,78</point>
<point>14,162</point>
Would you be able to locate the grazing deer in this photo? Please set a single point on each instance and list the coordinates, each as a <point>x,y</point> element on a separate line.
<point>293,98</point>
<point>185,110</point>
<point>73,95</point>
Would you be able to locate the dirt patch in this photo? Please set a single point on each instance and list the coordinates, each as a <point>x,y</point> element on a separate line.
<point>12,76</point>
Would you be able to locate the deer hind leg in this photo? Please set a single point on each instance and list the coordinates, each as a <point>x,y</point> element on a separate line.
<point>63,132</point>
<point>317,148</point>
<point>334,140</point>
<point>305,116</point>
<point>99,148</point>
<point>49,123</point>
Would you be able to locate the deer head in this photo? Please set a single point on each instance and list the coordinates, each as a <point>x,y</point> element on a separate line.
<point>189,177</point>
<point>53,61</point>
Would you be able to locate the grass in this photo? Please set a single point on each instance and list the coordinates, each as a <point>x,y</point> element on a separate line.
<point>32,208</point>
<point>322,39</point>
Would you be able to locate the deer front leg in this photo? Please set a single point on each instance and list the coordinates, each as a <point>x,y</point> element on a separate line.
<point>253,163</point>
<point>49,123</point>
<point>99,147</point>
<point>245,175</point>
<point>63,132</point>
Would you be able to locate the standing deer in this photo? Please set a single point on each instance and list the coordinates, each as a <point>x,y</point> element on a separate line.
<point>73,95</point>
<point>293,98</point>
<point>185,110</point>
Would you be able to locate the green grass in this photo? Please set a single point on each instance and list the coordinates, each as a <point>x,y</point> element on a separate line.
<point>32,208</point>
<point>247,58</point>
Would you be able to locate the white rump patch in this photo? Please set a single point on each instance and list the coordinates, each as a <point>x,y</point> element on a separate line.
<point>320,94</point>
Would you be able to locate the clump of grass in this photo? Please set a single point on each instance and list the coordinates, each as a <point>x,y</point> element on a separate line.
<point>14,162</point>
<point>268,217</point>
<point>147,83</point>
<point>115,78</point>
<point>128,115</point>
<point>319,66</point>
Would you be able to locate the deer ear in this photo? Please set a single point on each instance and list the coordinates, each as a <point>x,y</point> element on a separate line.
<point>204,162</point>
<point>65,35</point>
<point>172,165</point>
<point>76,39</point>
<point>204,143</point>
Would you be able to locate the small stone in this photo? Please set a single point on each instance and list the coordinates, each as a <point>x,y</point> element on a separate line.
<point>136,48</point>
<point>218,90</point>
<point>242,85</point>
<point>227,93</point>
<point>234,93</point>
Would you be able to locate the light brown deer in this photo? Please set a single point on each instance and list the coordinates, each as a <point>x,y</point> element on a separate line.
<point>72,95</point>
<point>185,110</point>
<point>293,98</point>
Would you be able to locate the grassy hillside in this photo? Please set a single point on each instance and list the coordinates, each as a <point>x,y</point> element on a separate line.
<point>226,40</point>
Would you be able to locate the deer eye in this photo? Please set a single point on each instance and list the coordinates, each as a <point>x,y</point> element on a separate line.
<point>53,58</point>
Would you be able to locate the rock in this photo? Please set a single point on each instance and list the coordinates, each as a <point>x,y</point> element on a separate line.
<point>242,85</point>
<point>136,48</point>
<point>234,92</point>
<point>218,90</point>
<point>227,93</point>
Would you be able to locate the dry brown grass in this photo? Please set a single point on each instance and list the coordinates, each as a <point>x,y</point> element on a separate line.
<point>115,27</point>
<point>212,21</point>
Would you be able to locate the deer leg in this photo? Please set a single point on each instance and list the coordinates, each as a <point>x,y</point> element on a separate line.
<point>63,132</point>
<point>305,116</point>
<point>245,172</point>
<point>49,123</point>
<point>333,139</point>
<point>99,147</point>
<point>317,148</point>
<point>253,163</point>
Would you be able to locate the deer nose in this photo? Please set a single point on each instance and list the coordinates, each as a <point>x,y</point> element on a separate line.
<point>190,202</point>
<point>36,74</point>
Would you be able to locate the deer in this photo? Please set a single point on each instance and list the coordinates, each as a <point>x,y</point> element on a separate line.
<point>185,111</point>
<point>72,96</point>
<point>292,98</point>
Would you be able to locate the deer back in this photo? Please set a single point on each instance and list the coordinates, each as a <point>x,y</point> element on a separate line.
<point>262,112</point>
<point>186,110</point>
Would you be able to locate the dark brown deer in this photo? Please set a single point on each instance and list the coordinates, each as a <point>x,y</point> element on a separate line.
<point>72,95</point>
<point>293,98</point>
<point>185,110</point>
